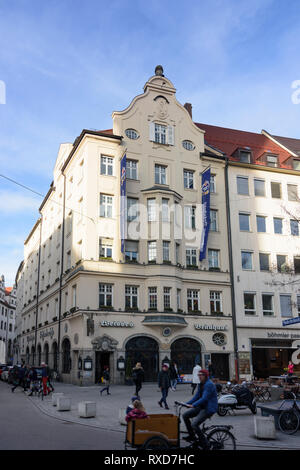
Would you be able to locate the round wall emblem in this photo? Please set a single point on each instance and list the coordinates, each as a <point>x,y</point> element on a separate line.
<point>219,339</point>
<point>166,331</point>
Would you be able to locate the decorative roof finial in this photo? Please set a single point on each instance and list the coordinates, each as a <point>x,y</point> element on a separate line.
<point>159,71</point>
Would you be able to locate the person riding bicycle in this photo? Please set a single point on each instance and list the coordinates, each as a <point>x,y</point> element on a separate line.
<point>203,405</point>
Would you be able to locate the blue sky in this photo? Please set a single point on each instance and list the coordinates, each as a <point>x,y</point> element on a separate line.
<point>68,64</point>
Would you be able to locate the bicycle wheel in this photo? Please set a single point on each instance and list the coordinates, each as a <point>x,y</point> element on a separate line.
<point>221,439</point>
<point>155,443</point>
<point>288,421</point>
<point>222,410</point>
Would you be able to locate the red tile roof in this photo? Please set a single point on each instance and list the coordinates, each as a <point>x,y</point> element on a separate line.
<point>229,140</point>
<point>8,290</point>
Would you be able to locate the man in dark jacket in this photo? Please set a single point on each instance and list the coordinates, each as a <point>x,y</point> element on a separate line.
<point>164,384</point>
<point>18,377</point>
<point>138,377</point>
<point>202,406</point>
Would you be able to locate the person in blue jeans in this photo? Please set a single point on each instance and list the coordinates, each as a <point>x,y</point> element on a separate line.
<point>164,383</point>
<point>202,406</point>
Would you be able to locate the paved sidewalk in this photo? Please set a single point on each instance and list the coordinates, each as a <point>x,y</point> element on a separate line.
<point>108,407</point>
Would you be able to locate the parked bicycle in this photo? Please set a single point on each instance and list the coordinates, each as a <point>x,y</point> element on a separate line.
<point>289,419</point>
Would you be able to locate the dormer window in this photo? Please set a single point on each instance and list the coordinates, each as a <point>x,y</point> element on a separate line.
<point>245,156</point>
<point>296,164</point>
<point>272,160</point>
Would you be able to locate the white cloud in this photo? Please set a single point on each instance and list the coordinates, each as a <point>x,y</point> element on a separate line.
<point>11,203</point>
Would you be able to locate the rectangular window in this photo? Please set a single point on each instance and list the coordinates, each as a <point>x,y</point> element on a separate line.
<point>177,253</point>
<point>296,165</point>
<point>193,300</point>
<point>165,210</point>
<point>105,248</point>
<point>249,303</point>
<point>244,220</point>
<point>276,190</point>
<point>188,179</point>
<point>292,192</point>
<point>261,223</point>
<point>277,225</point>
<point>264,262</point>
<point>166,251</point>
<point>286,305</point>
<point>132,209</point>
<point>247,260</point>
<point>259,187</point>
<point>190,217</point>
<point>267,304</point>
<point>131,169</point>
<point>297,264</point>
<point>178,296</point>
<point>294,228</point>
<point>160,134</point>
<point>242,185</point>
<point>245,156</point>
<point>106,205</point>
<point>272,161</point>
<point>131,251</point>
<point>131,297</point>
<point>213,188</point>
<point>167,298</point>
<point>151,209</point>
<point>160,174</point>
<point>152,297</point>
<point>74,296</point>
<point>152,252</point>
<point>191,257</point>
<point>213,259</point>
<point>215,302</point>
<point>281,263</point>
<point>213,220</point>
<point>105,295</point>
<point>107,164</point>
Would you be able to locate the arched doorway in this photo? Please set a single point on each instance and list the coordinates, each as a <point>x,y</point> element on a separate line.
<point>46,353</point>
<point>39,355</point>
<point>144,350</point>
<point>54,356</point>
<point>186,352</point>
<point>66,356</point>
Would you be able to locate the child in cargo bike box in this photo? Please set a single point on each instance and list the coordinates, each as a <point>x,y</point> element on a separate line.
<point>138,412</point>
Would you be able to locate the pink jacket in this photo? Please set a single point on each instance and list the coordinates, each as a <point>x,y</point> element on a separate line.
<point>136,414</point>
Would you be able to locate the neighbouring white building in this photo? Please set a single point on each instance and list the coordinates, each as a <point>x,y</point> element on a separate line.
<point>7,321</point>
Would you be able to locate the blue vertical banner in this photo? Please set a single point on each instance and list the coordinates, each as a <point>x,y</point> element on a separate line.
<point>123,202</point>
<point>205,189</point>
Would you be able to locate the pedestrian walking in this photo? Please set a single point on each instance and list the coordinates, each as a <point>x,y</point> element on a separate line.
<point>45,372</point>
<point>290,368</point>
<point>18,378</point>
<point>106,380</point>
<point>173,375</point>
<point>138,377</point>
<point>195,379</point>
<point>32,379</point>
<point>211,370</point>
<point>164,383</point>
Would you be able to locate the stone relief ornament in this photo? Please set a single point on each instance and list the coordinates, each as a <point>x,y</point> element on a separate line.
<point>104,343</point>
<point>161,108</point>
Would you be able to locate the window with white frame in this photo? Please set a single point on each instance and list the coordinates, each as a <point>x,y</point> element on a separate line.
<point>292,190</point>
<point>213,188</point>
<point>215,301</point>
<point>166,251</point>
<point>131,297</point>
<point>259,187</point>
<point>160,133</point>
<point>213,259</point>
<point>152,298</point>
<point>190,217</point>
<point>165,210</point>
<point>152,252</point>
<point>244,221</point>
<point>178,297</point>
<point>132,209</point>
<point>106,205</point>
<point>105,248</point>
<point>242,185</point>
<point>193,300</point>
<point>160,174</point>
<point>191,256</point>
<point>107,165</point>
<point>177,253</point>
<point>74,296</point>
<point>105,295</point>
<point>188,179</point>
<point>277,225</point>
<point>247,260</point>
<point>213,220</point>
<point>151,210</point>
<point>261,223</point>
<point>132,169</point>
<point>294,227</point>
<point>249,303</point>
<point>286,305</point>
<point>167,298</point>
<point>267,304</point>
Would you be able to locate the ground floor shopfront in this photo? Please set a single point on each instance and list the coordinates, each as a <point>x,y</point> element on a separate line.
<point>264,352</point>
<point>90,341</point>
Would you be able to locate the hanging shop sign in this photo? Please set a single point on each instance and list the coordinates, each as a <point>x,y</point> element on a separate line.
<point>117,324</point>
<point>283,335</point>
<point>211,327</point>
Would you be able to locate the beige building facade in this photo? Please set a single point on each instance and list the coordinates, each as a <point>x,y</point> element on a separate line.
<point>85,303</point>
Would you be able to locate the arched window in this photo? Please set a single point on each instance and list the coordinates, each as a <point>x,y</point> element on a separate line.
<point>186,352</point>
<point>39,355</point>
<point>46,353</point>
<point>144,350</point>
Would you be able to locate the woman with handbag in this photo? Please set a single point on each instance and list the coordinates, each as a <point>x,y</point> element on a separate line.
<point>106,379</point>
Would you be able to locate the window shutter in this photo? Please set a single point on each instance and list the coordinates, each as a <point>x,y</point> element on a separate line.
<point>171,135</point>
<point>152,131</point>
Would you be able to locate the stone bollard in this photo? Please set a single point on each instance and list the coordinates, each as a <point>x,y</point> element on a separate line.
<point>87,409</point>
<point>55,397</point>
<point>264,427</point>
<point>63,403</point>
<point>122,414</point>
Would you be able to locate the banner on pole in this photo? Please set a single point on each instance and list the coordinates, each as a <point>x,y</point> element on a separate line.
<point>205,189</point>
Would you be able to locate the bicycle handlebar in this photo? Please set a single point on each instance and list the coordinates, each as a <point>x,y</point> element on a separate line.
<point>180,403</point>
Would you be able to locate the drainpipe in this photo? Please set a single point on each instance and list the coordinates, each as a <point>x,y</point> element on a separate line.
<point>235,337</point>
<point>61,274</point>
<point>37,291</point>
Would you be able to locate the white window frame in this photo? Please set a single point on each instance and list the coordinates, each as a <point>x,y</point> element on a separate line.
<point>152,251</point>
<point>167,297</point>
<point>250,311</point>
<point>107,165</point>
<point>105,246</point>
<point>213,261</point>
<point>131,293</point>
<point>166,250</point>
<point>151,210</point>
<point>188,179</point>
<point>191,257</point>
<point>105,290</point>
<point>160,174</point>
<point>106,206</point>
<point>193,295</point>
<point>131,169</point>
<point>267,313</point>
<point>213,227</point>
<point>215,297</point>
<point>152,298</point>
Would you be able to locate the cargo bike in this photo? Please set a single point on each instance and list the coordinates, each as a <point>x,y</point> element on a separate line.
<point>162,432</point>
